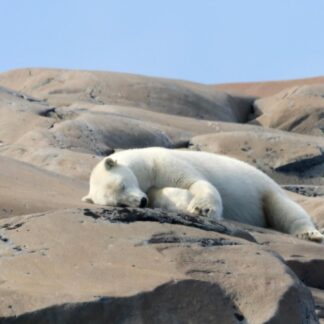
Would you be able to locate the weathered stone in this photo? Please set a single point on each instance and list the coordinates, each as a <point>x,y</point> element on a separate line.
<point>298,109</point>
<point>64,87</point>
<point>284,156</point>
<point>126,266</point>
<point>267,88</point>
<point>306,190</point>
<point>25,189</point>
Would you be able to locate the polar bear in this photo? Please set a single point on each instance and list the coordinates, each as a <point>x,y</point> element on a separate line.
<point>215,186</point>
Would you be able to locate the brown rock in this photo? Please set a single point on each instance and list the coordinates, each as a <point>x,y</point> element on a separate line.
<point>304,258</point>
<point>306,190</point>
<point>268,88</point>
<point>110,265</point>
<point>25,189</point>
<point>298,109</point>
<point>64,87</point>
<point>19,115</point>
<point>288,158</point>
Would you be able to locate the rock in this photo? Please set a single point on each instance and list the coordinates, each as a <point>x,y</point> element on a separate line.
<point>97,133</point>
<point>120,265</point>
<point>26,189</point>
<point>18,115</point>
<point>68,140</point>
<point>168,302</point>
<point>303,163</point>
<point>64,87</point>
<point>309,191</point>
<point>283,156</point>
<point>304,258</point>
<point>264,89</point>
<point>298,109</point>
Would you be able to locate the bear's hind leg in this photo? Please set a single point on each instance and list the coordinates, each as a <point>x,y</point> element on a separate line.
<point>285,215</point>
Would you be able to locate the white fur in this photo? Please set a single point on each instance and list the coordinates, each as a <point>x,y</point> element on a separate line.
<point>170,198</point>
<point>215,186</point>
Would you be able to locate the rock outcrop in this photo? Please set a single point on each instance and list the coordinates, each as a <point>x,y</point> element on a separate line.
<point>128,265</point>
<point>64,87</point>
<point>298,109</point>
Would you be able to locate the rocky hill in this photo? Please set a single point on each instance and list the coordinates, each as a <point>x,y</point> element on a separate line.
<point>64,261</point>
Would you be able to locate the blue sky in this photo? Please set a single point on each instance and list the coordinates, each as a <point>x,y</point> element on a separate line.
<point>207,41</point>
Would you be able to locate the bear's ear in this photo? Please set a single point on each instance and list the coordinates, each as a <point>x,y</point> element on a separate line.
<point>110,163</point>
<point>87,199</point>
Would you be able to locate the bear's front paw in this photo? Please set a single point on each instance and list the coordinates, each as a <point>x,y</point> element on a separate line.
<point>202,207</point>
<point>311,235</point>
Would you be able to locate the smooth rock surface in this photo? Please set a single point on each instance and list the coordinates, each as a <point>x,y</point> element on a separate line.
<point>64,87</point>
<point>267,88</point>
<point>25,189</point>
<point>125,266</point>
<point>286,157</point>
<point>298,109</point>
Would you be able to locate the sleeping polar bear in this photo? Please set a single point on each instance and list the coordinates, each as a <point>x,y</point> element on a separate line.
<point>215,186</point>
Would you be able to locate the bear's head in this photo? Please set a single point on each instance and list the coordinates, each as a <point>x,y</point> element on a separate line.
<point>112,184</point>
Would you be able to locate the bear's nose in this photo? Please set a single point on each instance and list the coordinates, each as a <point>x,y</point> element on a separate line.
<point>143,202</point>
